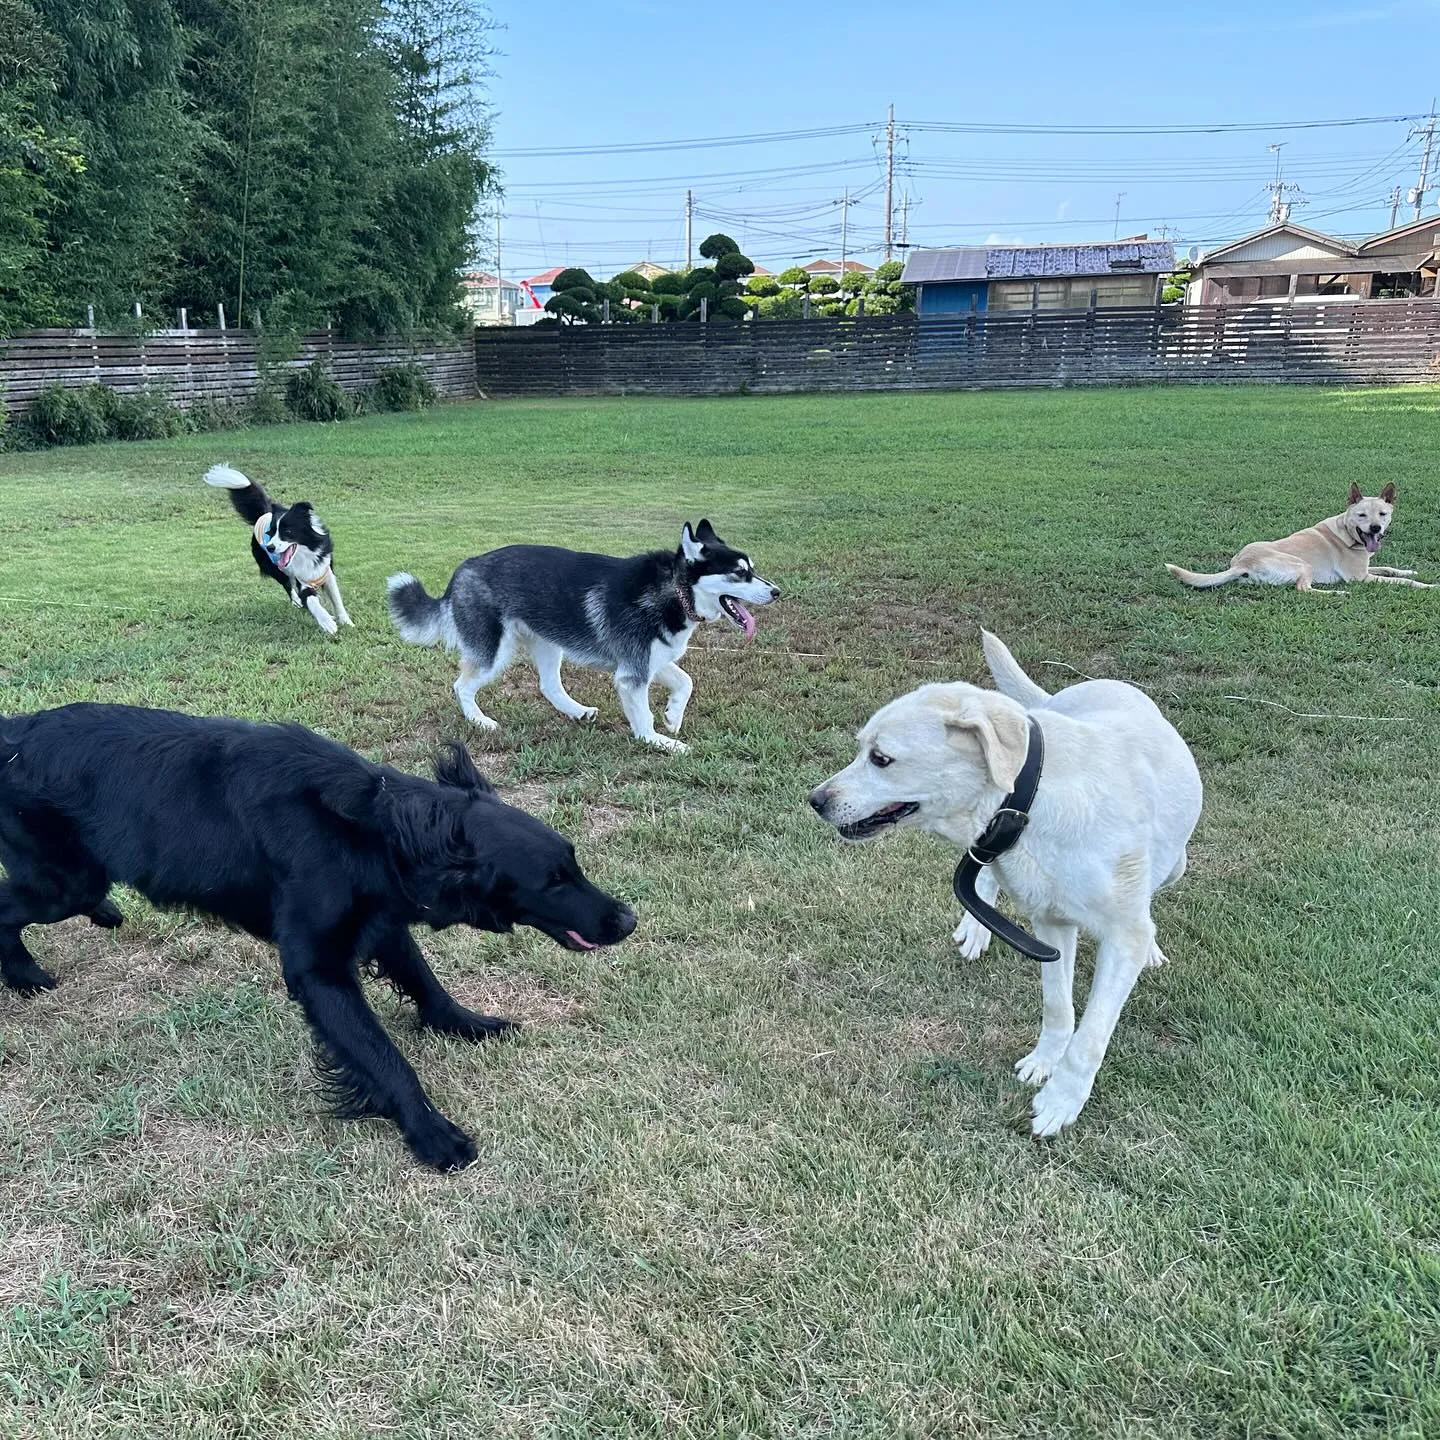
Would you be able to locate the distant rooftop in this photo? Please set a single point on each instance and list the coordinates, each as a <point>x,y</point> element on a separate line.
<point>1038,262</point>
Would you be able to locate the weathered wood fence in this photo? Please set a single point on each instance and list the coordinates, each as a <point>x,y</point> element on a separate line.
<point>1375,342</point>
<point>192,365</point>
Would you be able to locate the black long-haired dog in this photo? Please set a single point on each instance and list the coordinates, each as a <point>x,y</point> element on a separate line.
<point>299,841</point>
<point>289,544</point>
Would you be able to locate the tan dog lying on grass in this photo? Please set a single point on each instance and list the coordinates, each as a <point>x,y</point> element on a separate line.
<point>1117,799</point>
<point>1335,550</point>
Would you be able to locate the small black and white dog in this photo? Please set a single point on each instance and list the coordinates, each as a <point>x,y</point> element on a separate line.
<point>633,617</point>
<point>289,544</point>
<point>296,840</point>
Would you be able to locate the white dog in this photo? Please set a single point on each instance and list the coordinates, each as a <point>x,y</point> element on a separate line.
<point>1118,798</point>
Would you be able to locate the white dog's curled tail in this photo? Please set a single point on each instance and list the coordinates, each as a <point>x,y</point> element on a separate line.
<point>1204,582</point>
<point>1010,679</point>
<point>417,615</point>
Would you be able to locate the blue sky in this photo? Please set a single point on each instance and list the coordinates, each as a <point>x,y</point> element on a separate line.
<point>573,75</point>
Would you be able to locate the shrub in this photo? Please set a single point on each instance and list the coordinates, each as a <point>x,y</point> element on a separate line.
<point>146,415</point>
<point>702,291</point>
<point>714,246</point>
<point>823,285</point>
<point>700,275</point>
<point>207,415</point>
<point>733,265</point>
<point>630,280</point>
<point>60,415</point>
<point>402,387</point>
<point>668,284</point>
<point>795,277</point>
<point>572,279</point>
<point>731,307</point>
<point>312,394</point>
<point>889,271</point>
<point>788,305</point>
<point>267,406</point>
<point>762,285</point>
<point>669,306</point>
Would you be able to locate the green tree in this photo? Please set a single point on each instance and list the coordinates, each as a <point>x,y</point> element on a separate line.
<point>884,294</point>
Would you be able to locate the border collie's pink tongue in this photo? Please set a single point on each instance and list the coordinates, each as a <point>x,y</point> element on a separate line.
<point>1372,543</point>
<point>581,941</point>
<point>285,557</point>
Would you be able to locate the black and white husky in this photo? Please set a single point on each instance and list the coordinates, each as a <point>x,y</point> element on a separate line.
<point>289,544</point>
<point>633,617</point>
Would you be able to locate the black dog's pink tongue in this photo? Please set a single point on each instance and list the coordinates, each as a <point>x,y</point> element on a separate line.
<point>581,941</point>
<point>1372,543</point>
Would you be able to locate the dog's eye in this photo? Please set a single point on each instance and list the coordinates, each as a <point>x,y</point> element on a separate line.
<point>879,759</point>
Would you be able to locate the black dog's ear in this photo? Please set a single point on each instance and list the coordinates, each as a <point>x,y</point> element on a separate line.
<point>455,768</point>
<point>705,533</point>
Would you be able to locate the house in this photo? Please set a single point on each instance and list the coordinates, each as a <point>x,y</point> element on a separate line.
<point>1291,262</point>
<point>648,268</point>
<point>537,289</point>
<point>1038,277</point>
<point>853,268</point>
<point>491,300</point>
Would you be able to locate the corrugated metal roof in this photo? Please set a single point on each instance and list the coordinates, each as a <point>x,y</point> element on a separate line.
<point>965,263</point>
<point>1027,262</point>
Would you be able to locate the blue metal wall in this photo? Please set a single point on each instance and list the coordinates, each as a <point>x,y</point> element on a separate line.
<point>953,297</point>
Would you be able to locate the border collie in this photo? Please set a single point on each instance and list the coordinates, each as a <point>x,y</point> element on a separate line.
<point>289,544</point>
<point>298,841</point>
<point>633,617</point>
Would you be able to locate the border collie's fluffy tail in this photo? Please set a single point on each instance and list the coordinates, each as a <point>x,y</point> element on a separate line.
<point>1010,679</point>
<point>1204,582</point>
<point>418,616</point>
<point>249,500</point>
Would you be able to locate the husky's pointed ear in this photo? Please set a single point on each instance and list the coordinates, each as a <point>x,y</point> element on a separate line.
<point>1355,495</point>
<point>1388,494</point>
<point>455,769</point>
<point>1002,728</point>
<point>705,533</point>
<point>689,545</point>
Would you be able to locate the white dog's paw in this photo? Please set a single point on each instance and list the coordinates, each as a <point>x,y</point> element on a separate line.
<point>664,742</point>
<point>1039,1065</point>
<point>1057,1104</point>
<point>326,623</point>
<point>480,718</point>
<point>346,620</point>
<point>972,938</point>
<point>586,712</point>
<point>1156,958</point>
<point>674,719</point>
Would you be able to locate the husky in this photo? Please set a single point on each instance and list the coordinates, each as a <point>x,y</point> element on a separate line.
<point>1335,550</point>
<point>633,617</point>
<point>289,544</point>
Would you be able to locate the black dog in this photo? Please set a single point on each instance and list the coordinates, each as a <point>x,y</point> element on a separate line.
<point>296,840</point>
<point>289,544</point>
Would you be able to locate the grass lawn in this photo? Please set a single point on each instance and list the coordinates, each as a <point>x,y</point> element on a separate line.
<point>762,1170</point>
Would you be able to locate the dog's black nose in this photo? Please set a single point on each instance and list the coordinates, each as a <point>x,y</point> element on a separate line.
<point>624,924</point>
<point>774,592</point>
<point>1374,529</point>
<point>819,799</point>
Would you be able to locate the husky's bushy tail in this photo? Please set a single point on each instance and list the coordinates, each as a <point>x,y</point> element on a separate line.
<point>416,614</point>
<point>1009,678</point>
<point>249,500</point>
<point>1204,582</point>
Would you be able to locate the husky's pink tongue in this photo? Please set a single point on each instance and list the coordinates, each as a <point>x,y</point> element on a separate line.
<point>581,941</point>
<point>1372,543</point>
<point>746,619</point>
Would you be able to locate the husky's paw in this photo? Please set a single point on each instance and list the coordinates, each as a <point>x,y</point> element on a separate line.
<point>480,718</point>
<point>674,719</point>
<point>1057,1104</point>
<point>1039,1065</point>
<point>664,742</point>
<point>972,938</point>
<point>585,714</point>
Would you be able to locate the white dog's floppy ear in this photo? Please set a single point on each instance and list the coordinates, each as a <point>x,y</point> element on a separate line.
<point>1003,730</point>
<point>689,544</point>
<point>1355,495</point>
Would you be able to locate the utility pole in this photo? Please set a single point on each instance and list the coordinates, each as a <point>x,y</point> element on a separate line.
<point>1394,205</point>
<point>1279,205</point>
<point>844,216</point>
<point>499,276</point>
<point>890,183</point>
<point>905,221</point>
<point>1428,131</point>
<point>1118,199</point>
<point>689,214</point>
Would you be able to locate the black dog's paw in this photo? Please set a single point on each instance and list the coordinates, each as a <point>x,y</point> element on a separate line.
<point>27,977</point>
<point>468,1024</point>
<point>441,1145</point>
<point>107,915</point>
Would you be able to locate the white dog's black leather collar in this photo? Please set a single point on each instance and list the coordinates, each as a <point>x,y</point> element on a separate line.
<point>1003,833</point>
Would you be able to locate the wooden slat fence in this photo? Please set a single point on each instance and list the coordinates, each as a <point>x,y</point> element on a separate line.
<point>192,365</point>
<point>1374,342</point>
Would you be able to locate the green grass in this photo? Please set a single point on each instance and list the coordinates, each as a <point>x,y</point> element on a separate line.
<point>762,1170</point>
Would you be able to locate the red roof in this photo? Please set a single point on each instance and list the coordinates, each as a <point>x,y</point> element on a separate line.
<point>545,276</point>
